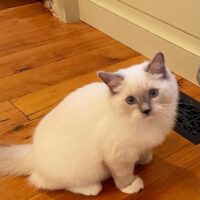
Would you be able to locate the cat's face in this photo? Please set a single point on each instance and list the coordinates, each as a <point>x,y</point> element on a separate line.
<point>143,91</point>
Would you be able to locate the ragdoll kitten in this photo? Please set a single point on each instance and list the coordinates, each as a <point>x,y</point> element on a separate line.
<point>99,130</point>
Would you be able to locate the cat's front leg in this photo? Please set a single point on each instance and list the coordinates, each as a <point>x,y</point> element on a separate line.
<point>145,158</point>
<point>125,180</point>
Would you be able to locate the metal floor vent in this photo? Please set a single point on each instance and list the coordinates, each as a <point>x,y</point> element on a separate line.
<point>188,119</point>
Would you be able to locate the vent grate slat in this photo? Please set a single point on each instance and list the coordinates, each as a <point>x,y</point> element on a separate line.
<point>188,120</point>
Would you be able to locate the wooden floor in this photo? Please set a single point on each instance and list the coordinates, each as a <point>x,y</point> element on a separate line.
<point>42,60</point>
<point>14,3</point>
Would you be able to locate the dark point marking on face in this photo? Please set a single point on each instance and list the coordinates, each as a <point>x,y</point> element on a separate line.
<point>144,103</point>
<point>143,100</point>
<point>157,65</point>
<point>145,108</point>
<point>112,80</point>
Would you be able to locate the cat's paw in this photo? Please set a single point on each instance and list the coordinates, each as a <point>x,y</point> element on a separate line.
<point>134,187</point>
<point>90,190</point>
<point>40,182</point>
<point>145,158</point>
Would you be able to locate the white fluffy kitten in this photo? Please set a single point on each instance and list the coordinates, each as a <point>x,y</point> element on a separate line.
<point>99,130</point>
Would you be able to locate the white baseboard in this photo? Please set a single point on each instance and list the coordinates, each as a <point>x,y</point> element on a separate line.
<point>143,34</point>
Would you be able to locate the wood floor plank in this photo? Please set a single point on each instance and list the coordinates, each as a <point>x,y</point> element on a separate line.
<point>39,37</point>
<point>21,134</point>
<point>39,103</point>
<point>14,3</point>
<point>20,13</point>
<point>53,51</point>
<point>22,191</point>
<point>38,34</point>
<point>22,28</point>
<point>10,117</point>
<point>25,25</point>
<point>21,84</point>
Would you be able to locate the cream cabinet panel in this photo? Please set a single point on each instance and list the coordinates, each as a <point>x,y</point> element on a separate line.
<point>184,15</point>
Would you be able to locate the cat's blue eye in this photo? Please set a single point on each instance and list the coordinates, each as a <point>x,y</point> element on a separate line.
<point>131,100</point>
<point>153,92</point>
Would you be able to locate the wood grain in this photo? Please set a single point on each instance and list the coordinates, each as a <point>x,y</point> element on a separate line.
<point>36,37</point>
<point>52,51</point>
<point>11,86</point>
<point>24,23</point>
<point>10,117</point>
<point>39,103</point>
<point>22,133</point>
<point>41,61</point>
<point>14,3</point>
<point>21,12</point>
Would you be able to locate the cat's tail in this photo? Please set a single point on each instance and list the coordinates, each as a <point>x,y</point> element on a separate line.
<point>16,159</point>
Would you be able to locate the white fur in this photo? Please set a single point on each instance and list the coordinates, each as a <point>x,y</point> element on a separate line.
<point>16,159</point>
<point>92,134</point>
<point>134,187</point>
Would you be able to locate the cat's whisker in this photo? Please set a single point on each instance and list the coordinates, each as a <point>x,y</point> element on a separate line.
<point>168,114</point>
<point>184,113</point>
<point>179,103</point>
<point>190,104</point>
<point>168,104</point>
<point>173,114</point>
<point>179,109</point>
<point>180,116</point>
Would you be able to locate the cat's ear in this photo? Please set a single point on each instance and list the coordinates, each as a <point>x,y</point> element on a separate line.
<point>112,80</point>
<point>157,65</point>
